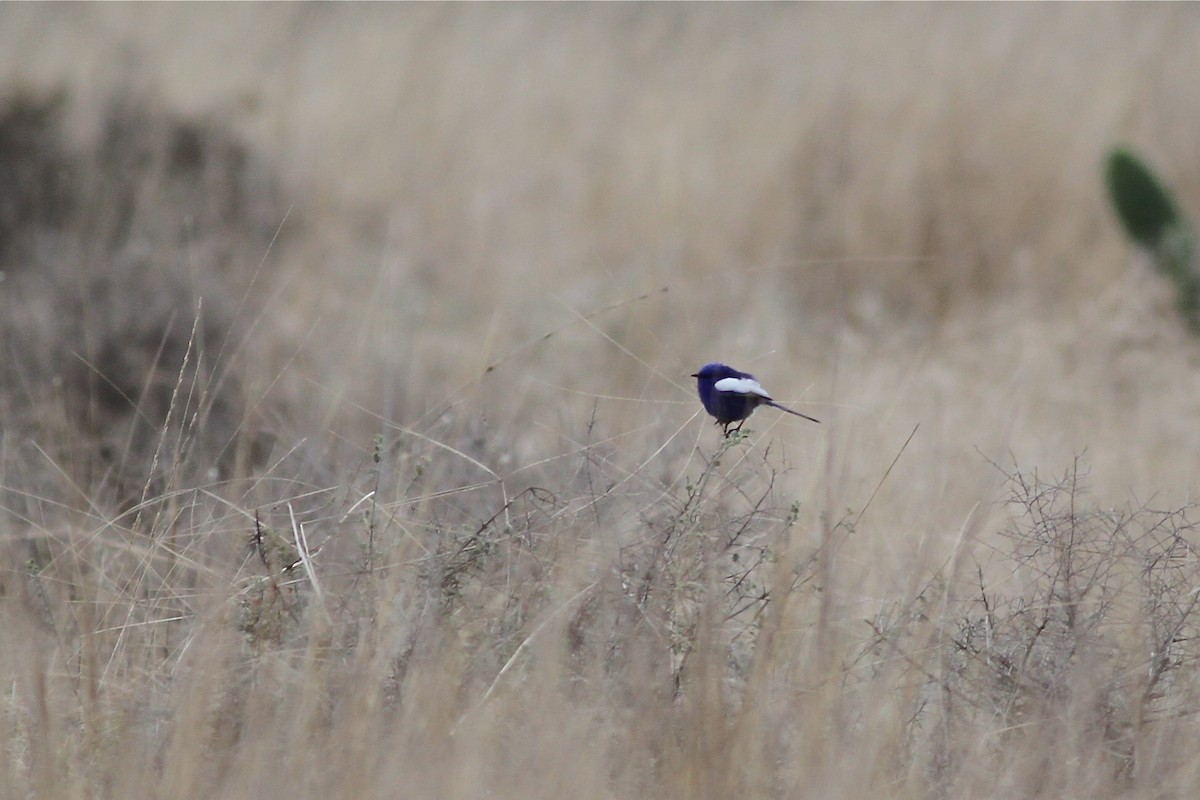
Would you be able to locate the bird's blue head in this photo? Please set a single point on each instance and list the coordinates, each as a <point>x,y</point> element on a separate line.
<point>714,371</point>
<point>707,375</point>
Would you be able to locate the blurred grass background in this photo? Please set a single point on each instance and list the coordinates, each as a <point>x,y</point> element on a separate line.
<point>893,214</point>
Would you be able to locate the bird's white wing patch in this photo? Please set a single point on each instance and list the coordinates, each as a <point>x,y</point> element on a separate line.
<point>741,386</point>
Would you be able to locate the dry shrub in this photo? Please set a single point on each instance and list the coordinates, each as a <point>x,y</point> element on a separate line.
<point>1074,646</point>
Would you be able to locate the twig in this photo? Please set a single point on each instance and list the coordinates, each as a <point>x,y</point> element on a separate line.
<point>302,547</point>
<point>903,447</point>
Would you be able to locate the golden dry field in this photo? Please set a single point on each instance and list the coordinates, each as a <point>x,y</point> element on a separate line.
<point>348,446</point>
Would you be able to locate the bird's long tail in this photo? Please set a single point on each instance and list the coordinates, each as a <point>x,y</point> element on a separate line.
<point>773,404</point>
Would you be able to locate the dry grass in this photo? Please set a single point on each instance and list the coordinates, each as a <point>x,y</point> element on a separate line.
<point>347,449</point>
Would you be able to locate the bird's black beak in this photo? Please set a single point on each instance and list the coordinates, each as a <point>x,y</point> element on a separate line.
<point>694,375</point>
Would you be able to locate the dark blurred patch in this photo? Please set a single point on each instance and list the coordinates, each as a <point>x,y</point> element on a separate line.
<point>127,267</point>
<point>34,173</point>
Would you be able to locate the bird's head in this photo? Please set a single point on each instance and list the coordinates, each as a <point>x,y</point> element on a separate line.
<point>715,371</point>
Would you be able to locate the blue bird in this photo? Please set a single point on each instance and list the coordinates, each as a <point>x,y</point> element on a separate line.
<point>731,396</point>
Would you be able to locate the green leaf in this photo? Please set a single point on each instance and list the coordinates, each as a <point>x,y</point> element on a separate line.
<point>1143,205</point>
